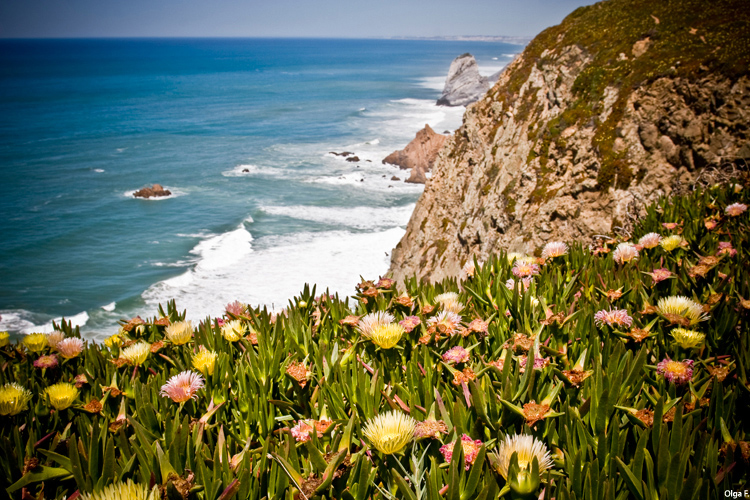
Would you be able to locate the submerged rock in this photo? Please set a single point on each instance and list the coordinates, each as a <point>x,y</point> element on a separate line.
<point>464,84</point>
<point>419,155</point>
<point>154,191</point>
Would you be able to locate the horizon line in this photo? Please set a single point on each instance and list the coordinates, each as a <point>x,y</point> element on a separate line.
<point>520,40</point>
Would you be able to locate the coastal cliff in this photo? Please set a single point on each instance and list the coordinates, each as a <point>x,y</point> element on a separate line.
<point>622,102</point>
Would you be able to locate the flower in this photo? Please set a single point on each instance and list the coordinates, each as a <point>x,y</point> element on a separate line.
<point>735,209</point>
<point>180,332</point>
<point>404,300</point>
<point>514,256</point>
<point>450,302</point>
<point>384,283</point>
<point>70,348</point>
<point>659,275</point>
<point>456,355</point>
<point>4,339</point>
<point>625,252</point>
<point>234,330</point>
<point>61,395</point>
<point>446,322</point>
<point>681,310</point>
<point>725,247</point>
<point>299,372</point>
<point>710,223</point>
<point>463,377</point>
<point>409,323</point>
<point>236,308</point>
<point>522,269</point>
<point>430,428</point>
<point>14,399</point>
<point>304,428</point>
<point>527,448</point>
<point>677,372</point>
<point>539,363</point>
<point>390,432</point>
<point>478,326</point>
<point>386,336</point>
<point>670,225</point>
<point>671,242</point>
<point>468,270</point>
<point>136,354</point>
<point>554,249</point>
<point>183,386</point>
<point>688,339</point>
<point>470,447</point>
<point>650,240</point>
<point>204,361</point>
<point>526,282</point>
<point>113,341</point>
<point>618,317</point>
<point>54,338</point>
<point>35,342</point>
<point>124,491</point>
<point>49,361</point>
<point>373,320</point>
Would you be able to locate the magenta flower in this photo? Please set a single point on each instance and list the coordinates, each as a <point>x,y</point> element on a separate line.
<point>660,274</point>
<point>677,372</point>
<point>456,355</point>
<point>523,269</point>
<point>236,308</point>
<point>613,317</point>
<point>48,361</point>
<point>471,450</point>
<point>539,363</point>
<point>725,247</point>
<point>183,386</point>
<point>409,323</point>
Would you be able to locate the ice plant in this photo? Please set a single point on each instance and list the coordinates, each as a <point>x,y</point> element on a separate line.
<point>677,372</point>
<point>409,323</point>
<point>70,348</point>
<point>47,361</point>
<point>180,332</point>
<point>113,341</point>
<point>204,361</point>
<point>124,491</point>
<point>527,449</point>
<point>468,270</point>
<point>236,308</point>
<point>450,302</point>
<point>136,354</point>
<point>430,428</point>
<point>735,209</point>
<point>625,252</point>
<point>523,269</point>
<point>671,242</point>
<point>54,338</point>
<point>234,330</point>
<point>511,284</point>
<point>374,320</point>
<point>386,336</point>
<point>446,322</point>
<point>681,310</point>
<point>14,399</point>
<point>470,447</point>
<point>688,339</point>
<point>659,275</point>
<point>183,386</point>
<point>390,432</point>
<point>725,248</point>
<point>35,342</point>
<point>554,249</point>
<point>61,395</point>
<point>613,317</point>
<point>456,355</point>
<point>4,339</point>
<point>650,240</point>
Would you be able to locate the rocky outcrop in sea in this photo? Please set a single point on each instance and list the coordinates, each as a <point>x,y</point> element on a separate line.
<point>155,191</point>
<point>419,155</point>
<point>464,84</point>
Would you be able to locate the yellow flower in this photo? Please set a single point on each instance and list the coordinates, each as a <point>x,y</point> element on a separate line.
<point>113,341</point>
<point>14,399</point>
<point>35,342</point>
<point>180,333</point>
<point>678,306</point>
<point>204,361</point>
<point>688,339</point>
<point>61,395</point>
<point>136,354</point>
<point>671,242</point>
<point>450,302</point>
<point>123,491</point>
<point>233,330</point>
<point>528,448</point>
<point>386,336</point>
<point>390,432</point>
<point>4,339</point>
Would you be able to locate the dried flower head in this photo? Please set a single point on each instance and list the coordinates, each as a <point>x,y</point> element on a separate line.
<point>234,330</point>
<point>136,354</point>
<point>527,448</point>
<point>625,252</point>
<point>677,372</point>
<point>670,225</point>
<point>470,448</point>
<point>47,361</point>
<point>659,275</point>
<point>554,249</point>
<point>180,332</point>
<point>299,372</point>
<point>386,336</point>
<point>183,386</point>
<point>688,339</point>
<point>672,242</point>
<point>35,342</point>
<point>613,317</point>
<point>404,300</point>
<point>61,395</point>
<point>390,432</point>
<point>14,399</point>
<point>725,248</point>
<point>124,491</point>
<point>679,309</point>
<point>735,209</point>
<point>70,348</point>
<point>374,320</point>
<point>430,428</point>
<point>409,323</point>
<point>204,361</point>
<point>478,326</point>
<point>650,240</point>
<point>456,355</point>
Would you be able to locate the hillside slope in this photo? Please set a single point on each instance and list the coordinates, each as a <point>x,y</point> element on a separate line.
<point>625,100</point>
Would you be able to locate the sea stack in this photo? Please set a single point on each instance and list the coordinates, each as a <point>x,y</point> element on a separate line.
<point>419,155</point>
<point>464,84</point>
<point>155,191</point>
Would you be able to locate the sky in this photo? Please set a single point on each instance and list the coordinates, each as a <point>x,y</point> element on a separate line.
<point>279,18</point>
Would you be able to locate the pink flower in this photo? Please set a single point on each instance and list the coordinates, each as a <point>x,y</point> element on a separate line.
<point>650,240</point>
<point>522,269</point>
<point>409,323</point>
<point>625,252</point>
<point>554,249</point>
<point>471,450</point>
<point>539,363</point>
<point>456,355</point>
<point>670,225</point>
<point>70,347</point>
<point>49,361</point>
<point>612,317</point>
<point>183,386</point>
<point>659,275</point>
<point>735,209</point>
<point>301,432</point>
<point>445,322</point>
<point>725,247</point>
<point>236,308</point>
<point>677,372</point>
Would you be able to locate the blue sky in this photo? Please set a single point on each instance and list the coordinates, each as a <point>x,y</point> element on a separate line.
<point>279,18</point>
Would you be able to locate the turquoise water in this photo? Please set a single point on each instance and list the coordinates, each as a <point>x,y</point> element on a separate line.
<point>84,123</point>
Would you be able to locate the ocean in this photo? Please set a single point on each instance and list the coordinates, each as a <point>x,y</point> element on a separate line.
<point>241,131</point>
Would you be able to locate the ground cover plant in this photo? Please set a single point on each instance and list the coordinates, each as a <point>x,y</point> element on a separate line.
<point>616,371</point>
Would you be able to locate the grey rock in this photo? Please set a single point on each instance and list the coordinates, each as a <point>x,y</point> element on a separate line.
<point>464,84</point>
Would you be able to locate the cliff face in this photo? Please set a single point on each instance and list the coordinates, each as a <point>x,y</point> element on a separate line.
<point>622,102</point>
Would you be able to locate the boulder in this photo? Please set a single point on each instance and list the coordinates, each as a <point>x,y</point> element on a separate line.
<point>419,155</point>
<point>154,191</point>
<point>464,84</point>
<point>353,158</point>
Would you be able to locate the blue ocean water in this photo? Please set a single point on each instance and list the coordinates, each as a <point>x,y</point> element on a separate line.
<point>241,131</point>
